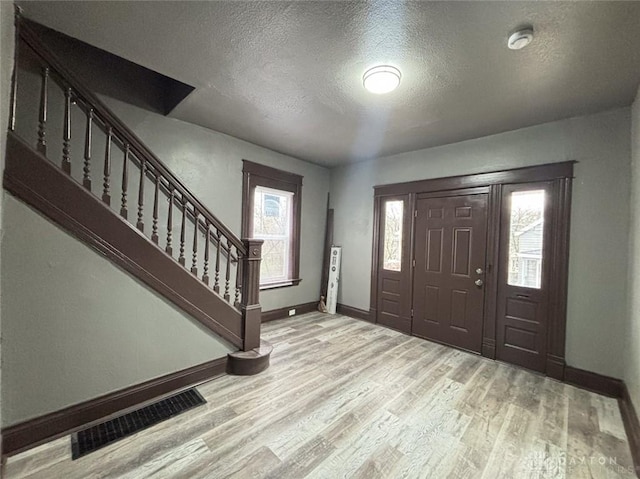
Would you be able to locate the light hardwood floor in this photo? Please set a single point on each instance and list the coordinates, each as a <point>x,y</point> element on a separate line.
<point>344,398</point>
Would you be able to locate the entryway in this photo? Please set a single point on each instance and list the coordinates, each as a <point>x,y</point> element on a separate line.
<point>477,262</point>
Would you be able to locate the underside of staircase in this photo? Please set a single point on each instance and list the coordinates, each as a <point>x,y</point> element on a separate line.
<point>98,181</point>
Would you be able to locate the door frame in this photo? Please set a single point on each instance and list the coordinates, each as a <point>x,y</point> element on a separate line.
<point>561,175</point>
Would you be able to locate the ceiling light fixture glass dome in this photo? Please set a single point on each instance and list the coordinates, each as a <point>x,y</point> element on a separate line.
<point>382,79</point>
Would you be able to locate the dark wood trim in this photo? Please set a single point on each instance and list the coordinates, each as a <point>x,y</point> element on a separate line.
<point>488,349</point>
<point>280,313</point>
<point>39,183</point>
<point>559,277</point>
<point>255,174</point>
<point>326,253</point>
<point>412,204</point>
<point>491,274</point>
<point>271,173</point>
<point>356,313</point>
<point>283,284</point>
<point>526,174</point>
<point>250,301</point>
<point>466,191</point>
<point>631,426</point>
<point>248,363</point>
<point>555,366</point>
<point>51,426</point>
<point>594,382</point>
<point>375,255</point>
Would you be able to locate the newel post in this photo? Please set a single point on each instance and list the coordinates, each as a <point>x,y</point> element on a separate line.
<point>250,302</point>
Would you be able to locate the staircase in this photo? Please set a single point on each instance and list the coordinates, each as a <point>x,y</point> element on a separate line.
<point>80,166</point>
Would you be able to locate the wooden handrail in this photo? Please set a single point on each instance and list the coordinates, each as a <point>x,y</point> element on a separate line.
<point>121,132</point>
<point>164,184</point>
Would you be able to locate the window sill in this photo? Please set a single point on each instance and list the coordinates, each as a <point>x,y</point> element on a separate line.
<point>283,284</point>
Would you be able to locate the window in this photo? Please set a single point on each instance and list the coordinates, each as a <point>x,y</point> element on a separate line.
<point>526,228</point>
<point>271,209</point>
<point>393,219</point>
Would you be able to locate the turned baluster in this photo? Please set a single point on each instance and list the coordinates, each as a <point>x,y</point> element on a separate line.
<point>169,248</point>
<point>66,142</point>
<point>125,180</point>
<point>228,275</point>
<point>216,280</point>
<point>194,257</point>
<point>143,168</point>
<point>205,269</point>
<point>86,178</point>
<point>106,196</point>
<point>181,259</point>
<point>238,290</point>
<point>42,121</point>
<point>14,73</point>
<point>154,229</point>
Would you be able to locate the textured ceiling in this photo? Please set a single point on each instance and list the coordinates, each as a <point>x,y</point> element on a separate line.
<point>288,75</point>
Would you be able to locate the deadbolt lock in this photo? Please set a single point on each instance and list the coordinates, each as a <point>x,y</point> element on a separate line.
<point>479,271</point>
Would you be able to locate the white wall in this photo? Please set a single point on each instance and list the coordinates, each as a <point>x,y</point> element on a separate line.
<point>210,165</point>
<point>632,347</point>
<point>76,326</point>
<point>599,223</point>
<point>6,67</point>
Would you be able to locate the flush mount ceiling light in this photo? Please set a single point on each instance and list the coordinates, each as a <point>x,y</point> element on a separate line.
<point>520,39</point>
<point>381,79</point>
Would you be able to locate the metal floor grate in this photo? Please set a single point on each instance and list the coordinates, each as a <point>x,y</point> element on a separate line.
<point>93,438</point>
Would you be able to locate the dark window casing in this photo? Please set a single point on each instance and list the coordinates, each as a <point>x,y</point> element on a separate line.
<point>254,174</point>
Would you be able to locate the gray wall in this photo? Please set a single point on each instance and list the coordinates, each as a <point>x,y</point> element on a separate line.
<point>75,326</point>
<point>597,308</point>
<point>6,67</point>
<point>210,164</point>
<point>632,348</point>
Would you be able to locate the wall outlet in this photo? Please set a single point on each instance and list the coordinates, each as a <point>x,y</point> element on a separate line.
<point>292,312</point>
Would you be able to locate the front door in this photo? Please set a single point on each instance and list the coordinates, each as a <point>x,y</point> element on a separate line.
<point>450,252</point>
<point>525,242</point>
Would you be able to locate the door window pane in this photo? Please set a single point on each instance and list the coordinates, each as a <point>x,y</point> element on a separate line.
<point>526,230</point>
<point>392,254</point>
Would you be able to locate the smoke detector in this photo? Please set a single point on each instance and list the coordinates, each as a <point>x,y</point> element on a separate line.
<point>520,39</point>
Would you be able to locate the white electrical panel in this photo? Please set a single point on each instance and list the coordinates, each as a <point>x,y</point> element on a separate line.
<point>334,279</point>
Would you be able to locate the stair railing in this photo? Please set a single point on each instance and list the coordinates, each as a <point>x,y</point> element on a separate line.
<point>203,244</point>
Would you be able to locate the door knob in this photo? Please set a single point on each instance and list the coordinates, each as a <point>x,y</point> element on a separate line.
<point>479,282</point>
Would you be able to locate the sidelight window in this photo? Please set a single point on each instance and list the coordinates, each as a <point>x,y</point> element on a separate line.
<point>392,247</point>
<point>526,232</point>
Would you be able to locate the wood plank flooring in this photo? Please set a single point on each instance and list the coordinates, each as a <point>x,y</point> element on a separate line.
<point>344,398</point>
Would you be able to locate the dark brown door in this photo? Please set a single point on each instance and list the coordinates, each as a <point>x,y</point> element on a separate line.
<point>450,251</point>
<point>394,259</point>
<point>525,242</point>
